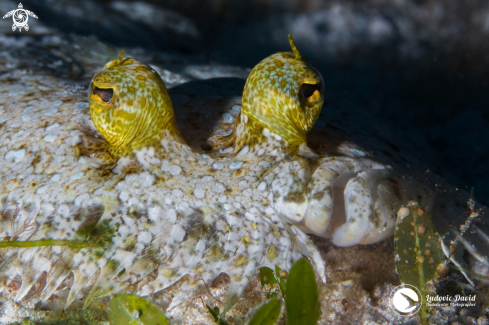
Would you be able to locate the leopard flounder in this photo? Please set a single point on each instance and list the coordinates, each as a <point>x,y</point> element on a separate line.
<point>353,200</point>
<point>151,212</point>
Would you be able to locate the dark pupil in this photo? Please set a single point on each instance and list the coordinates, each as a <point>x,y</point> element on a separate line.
<point>104,94</point>
<point>308,89</point>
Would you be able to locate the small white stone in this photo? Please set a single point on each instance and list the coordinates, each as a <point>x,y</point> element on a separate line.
<point>260,152</point>
<point>236,108</point>
<point>222,199</point>
<point>41,190</point>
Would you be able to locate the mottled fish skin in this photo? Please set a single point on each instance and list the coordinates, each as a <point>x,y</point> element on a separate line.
<point>130,106</point>
<point>161,212</point>
<point>351,199</point>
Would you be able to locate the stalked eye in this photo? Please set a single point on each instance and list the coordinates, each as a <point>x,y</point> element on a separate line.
<point>104,94</point>
<point>308,90</point>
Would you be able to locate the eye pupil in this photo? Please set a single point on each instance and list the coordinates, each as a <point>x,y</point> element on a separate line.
<point>308,90</point>
<point>104,94</point>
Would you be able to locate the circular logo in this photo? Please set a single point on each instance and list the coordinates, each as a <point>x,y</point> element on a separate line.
<point>405,300</point>
<point>20,18</point>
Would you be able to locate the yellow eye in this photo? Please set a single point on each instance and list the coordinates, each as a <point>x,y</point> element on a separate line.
<point>308,90</point>
<point>104,94</point>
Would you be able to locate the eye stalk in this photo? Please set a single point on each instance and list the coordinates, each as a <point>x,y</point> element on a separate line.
<point>284,95</point>
<point>130,107</point>
<point>104,94</point>
<point>308,90</point>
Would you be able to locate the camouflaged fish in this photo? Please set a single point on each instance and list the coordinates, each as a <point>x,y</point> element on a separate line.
<point>125,203</point>
<point>282,100</point>
<point>133,200</point>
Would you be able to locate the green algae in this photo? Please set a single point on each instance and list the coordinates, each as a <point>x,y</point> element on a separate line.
<point>268,313</point>
<point>127,309</point>
<point>298,289</point>
<point>418,253</point>
<point>43,242</point>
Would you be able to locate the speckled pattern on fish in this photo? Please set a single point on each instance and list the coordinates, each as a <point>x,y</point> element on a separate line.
<point>141,209</point>
<point>162,212</point>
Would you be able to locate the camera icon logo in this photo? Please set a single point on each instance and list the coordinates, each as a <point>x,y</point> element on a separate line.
<point>405,300</point>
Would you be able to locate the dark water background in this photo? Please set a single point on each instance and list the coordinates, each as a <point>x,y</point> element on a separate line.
<point>419,68</point>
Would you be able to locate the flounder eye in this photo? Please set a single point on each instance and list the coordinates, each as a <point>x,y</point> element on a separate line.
<point>104,94</point>
<point>307,90</point>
